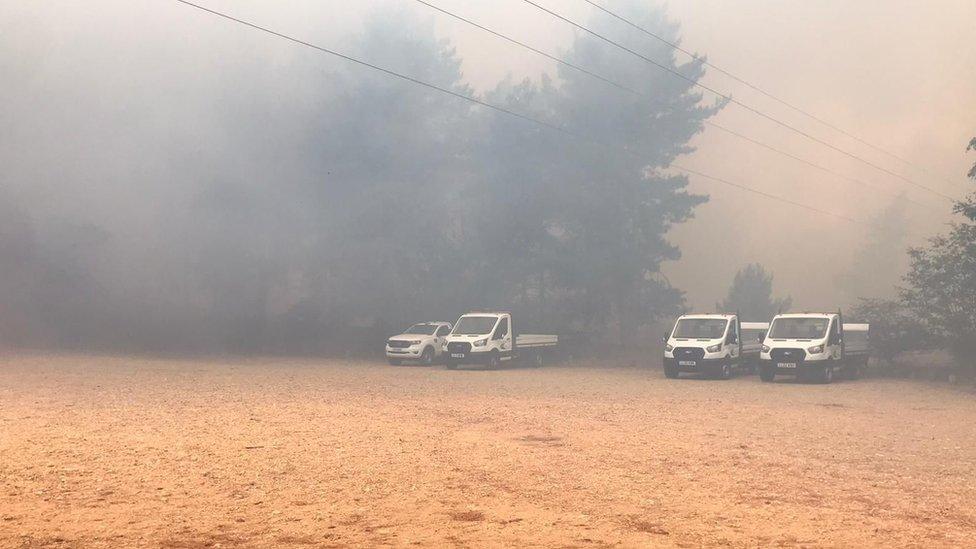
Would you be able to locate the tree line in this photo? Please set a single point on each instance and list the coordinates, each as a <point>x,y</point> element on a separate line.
<point>310,226</point>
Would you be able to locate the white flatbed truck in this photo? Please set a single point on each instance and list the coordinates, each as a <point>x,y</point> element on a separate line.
<point>490,338</point>
<point>815,346</point>
<point>716,345</point>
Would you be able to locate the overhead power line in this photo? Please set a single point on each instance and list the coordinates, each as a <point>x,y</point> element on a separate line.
<point>644,95</point>
<point>736,102</point>
<point>509,112</point>
<point>750,85</point>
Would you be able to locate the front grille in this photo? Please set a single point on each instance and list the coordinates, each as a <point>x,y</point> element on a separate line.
<point>394,344</point>
<point>689,353</point>
<point>788,355</point>
<point>459,347</point>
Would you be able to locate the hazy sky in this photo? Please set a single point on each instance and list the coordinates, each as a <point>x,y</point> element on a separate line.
<point>899,73</point>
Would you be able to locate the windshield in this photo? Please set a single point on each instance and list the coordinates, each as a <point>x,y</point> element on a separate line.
<point>474,325</point>
<point>425,329</point>
<point>700,328</point>
<point>798,328</point>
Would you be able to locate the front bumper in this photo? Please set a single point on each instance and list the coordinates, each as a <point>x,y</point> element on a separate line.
<point>468,357</point>
<point>784,368</point>
<point>404,352</point>
<point>697,365</point>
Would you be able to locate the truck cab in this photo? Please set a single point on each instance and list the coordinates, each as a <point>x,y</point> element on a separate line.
<point>710,344</point>
<point>489,338</point>
<point>812,346</point>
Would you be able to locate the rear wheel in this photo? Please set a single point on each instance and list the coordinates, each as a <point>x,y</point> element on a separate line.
<point>427,357</point>
<point>670,372</point>
<point>537,360</point>
<point>767,374</point>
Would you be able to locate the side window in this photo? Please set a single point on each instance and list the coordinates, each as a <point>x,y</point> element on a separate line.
<point>443,331</point>
<point>501,329</point>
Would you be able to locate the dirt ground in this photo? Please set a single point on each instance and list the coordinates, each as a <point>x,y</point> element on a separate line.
<point>131,452</point>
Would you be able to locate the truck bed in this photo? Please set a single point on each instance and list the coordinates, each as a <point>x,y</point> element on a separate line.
<point>856,339</point>
<point>536,340</point>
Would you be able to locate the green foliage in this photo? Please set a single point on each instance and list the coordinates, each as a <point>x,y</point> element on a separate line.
<point>941,289</point>
<point>751,294</point>
<point>894,329</point>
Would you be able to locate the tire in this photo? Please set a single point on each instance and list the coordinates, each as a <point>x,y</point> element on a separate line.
<point>766,374</point>
<point>827,375</point>
<point>537,360</point>
<point>395,361</point>
<point>493,361</point>
<point>670,372</point>
<point>427,357</point>
<point>725,371</point>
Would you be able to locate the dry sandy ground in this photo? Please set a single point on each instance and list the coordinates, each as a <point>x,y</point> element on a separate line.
<point>124,452</point>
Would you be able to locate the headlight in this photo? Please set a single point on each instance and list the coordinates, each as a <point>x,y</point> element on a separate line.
<point>668,348</point>
<point>765,348</point>
<point>481,342</point>
<point>414,342</point>
<point>714,348</point>
<point>815,350</point>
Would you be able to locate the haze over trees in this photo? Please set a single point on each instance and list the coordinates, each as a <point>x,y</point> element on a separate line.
<point>881,262</point>
<point>936,306</point>
<point>751,295</point>
<point>297,209</point>
<point>941,282</point>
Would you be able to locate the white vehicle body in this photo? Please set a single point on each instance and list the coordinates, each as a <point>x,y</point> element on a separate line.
<point>423,342</point>
<point>715,344</point>
<point>490,338</point>
<point>816,345</point>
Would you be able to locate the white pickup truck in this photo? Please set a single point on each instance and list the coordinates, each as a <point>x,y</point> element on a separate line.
<point>422,342</point>
<point>712,344</point>
<point>814,346</point>
<point>490,338</point>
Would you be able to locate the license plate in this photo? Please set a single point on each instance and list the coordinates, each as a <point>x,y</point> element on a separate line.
<point>686,362</point>
<point>457,355</point>
<point>787,364</point>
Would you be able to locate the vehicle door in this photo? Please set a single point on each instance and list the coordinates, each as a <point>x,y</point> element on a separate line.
<point>502,336</point>
<point>834,341</point>
<point>441,338</point>
<point>733,341</point>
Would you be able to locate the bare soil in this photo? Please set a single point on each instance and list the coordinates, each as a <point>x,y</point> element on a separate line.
<point>133,452</point>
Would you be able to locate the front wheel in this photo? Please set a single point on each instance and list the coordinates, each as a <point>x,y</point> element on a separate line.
<point>427,357</point>
<point>493,361</point>
<point>827,375</point>
<point>766,374</point>
<point>725,372</point>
